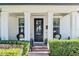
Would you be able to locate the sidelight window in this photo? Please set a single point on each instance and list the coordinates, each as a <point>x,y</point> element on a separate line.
<point>21,26</point>
<point>56,25</point>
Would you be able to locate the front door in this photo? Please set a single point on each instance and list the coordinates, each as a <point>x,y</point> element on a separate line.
<point>38,29</point>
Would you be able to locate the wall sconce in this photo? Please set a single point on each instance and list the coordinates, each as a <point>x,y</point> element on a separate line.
<point>46,26</point>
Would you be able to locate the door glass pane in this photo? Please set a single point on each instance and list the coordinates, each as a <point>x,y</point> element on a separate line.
<point>38,27</point>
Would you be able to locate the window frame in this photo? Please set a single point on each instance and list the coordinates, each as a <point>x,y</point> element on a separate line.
<point>56,26</point>
<point>20,26</point>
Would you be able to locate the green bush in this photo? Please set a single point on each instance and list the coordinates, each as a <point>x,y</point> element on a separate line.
<point>11,52</point>
<point>24,43</point>
<point>64,47</point>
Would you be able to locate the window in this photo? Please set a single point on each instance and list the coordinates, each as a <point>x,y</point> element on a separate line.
<point>56,22</point>
<point>21,26</point>
<point>56,25</point>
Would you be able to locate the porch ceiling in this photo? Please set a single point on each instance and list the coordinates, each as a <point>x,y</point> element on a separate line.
<point>38,14</point>
<point>60,14</point>
<point>16,14</point>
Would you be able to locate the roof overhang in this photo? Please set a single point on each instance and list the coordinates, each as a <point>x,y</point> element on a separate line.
<point>39,3</point>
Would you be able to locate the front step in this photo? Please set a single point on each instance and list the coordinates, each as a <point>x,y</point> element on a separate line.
<point>39,44</point>
<point>39,47</point>
<point>38,53</point>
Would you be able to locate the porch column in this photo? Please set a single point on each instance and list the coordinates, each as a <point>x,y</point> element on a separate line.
<point>27,25</point>
<point>50,25</point>
<point>4,25</point>
<point>73,24</point>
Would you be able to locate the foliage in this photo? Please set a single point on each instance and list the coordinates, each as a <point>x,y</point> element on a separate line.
<point>25,44</point>
<point>10,52</point>
<point>64,47</point>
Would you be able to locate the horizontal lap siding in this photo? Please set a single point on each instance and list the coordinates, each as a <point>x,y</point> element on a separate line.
<point>65,26</point>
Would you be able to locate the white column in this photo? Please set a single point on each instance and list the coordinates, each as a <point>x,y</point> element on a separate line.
<point>27,25</point>
<point>73,24</point>
<point>4,25</point>
<point>50,25</point>
<point>77,26</point>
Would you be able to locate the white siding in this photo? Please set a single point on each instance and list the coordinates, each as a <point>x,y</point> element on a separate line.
<point>77,25</point>
<point>65,26</point>
<point>13,26</point>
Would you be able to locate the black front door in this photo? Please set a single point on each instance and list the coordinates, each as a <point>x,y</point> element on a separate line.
<point>38,29</point>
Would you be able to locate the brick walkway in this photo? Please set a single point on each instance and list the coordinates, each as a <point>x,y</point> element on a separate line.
<point>39,51</point>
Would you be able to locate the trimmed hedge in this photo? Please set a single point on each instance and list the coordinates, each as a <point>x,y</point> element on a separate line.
<point>8,46</point>
<point>11,52</point>
<point>64,47</point>
<point>15,42</point>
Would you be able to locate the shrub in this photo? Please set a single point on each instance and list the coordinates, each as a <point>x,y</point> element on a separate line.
<point>64,47</point>
<point>10,52</point>
<point>15,42</point>
<point>7,46</point>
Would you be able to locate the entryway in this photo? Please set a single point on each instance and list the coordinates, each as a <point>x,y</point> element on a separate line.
<point>39,48</point>
<point>38,29</point>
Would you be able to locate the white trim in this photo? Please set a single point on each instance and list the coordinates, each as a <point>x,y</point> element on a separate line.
<point>74,18</point>
<point>17,26</point>
<point>18,23</point>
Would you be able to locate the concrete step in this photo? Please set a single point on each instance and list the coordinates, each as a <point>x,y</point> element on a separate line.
<point>38,44</point>
<point>38,53</point>
<point>39,49</point>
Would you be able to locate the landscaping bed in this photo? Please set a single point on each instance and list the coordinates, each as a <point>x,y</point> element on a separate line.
<point>14,48</point>
<point>11,52</point>
<point>64,47</point>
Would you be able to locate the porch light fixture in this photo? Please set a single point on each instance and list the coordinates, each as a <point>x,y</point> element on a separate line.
<point>46,26</point>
